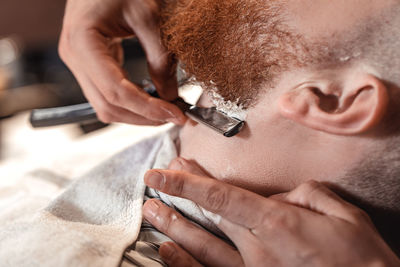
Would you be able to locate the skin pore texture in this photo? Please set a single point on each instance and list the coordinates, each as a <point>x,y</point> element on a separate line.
<point>317,95</point>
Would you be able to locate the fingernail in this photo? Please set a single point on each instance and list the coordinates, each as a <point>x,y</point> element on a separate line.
<point>151,209</point>
<point>167,251</point>
<point>155,180</point>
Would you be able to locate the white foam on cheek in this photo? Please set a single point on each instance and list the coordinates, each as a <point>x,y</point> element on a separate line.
<point>230,108</point>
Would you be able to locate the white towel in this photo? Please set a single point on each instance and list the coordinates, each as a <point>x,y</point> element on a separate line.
<point>98,216</point>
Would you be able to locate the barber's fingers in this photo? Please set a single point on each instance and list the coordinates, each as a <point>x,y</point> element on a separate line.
<point>232,203</point>
<point>316,197</point>
<point>201,244</point>
<point>163,74</point>
<point>91,55</point>
<point>173,255</point>
<point>106,112</point>
<point>181,164</point>
<point>144,20</point>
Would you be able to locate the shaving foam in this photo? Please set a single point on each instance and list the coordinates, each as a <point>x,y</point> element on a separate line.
<point>232,109</point>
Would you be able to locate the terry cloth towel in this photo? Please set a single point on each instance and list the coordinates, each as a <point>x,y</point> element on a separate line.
<point>99,215</point>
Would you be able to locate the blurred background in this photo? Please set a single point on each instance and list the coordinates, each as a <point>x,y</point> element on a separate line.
<point>37,163</point>
<point>33,76</point>
<point>31,73</point>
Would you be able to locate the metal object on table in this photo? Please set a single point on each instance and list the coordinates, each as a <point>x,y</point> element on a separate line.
<point>81,113</point>
<point>84,113</point>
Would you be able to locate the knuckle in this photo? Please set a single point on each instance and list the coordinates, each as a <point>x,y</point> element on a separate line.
<point>176,183</point>
<point>306,191</point>
<point>104,116</point>
<point>309,187</point>
<point>359,215</point>
<point>180,187</point>
<point>280,220</point>
<point>217,198</point>
<point>276,221</point>
<point>62,51</point>
<point>112,96</point>
<point>71,42</point>
<point>66,43</point>
<point>63,47</point>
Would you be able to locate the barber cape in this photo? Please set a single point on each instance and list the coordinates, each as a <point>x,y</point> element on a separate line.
<point>97,220</point>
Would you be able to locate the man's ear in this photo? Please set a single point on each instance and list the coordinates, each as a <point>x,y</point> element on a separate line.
<point>352,108</point>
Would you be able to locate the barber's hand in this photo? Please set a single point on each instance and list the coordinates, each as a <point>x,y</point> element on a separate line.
<point>90,45</point>
<point>309,226</point>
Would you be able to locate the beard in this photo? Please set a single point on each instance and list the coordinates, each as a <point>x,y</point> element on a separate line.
<point>234,47</point>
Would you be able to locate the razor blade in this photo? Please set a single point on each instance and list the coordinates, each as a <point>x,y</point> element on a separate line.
<point>212,118</point>
<point>84,113</point>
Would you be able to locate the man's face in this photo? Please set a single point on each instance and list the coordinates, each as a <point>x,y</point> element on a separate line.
<point>272,153</point>
<point>241,46</point>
